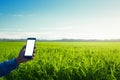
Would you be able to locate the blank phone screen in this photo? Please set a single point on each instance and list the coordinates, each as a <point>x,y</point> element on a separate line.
<point>29,47</point>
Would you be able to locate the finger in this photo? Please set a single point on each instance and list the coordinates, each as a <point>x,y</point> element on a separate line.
<point>33,55</point>
<point>34,51</point>
<point>22,53</point>
<point>25,60</point>
<point>23,47</point>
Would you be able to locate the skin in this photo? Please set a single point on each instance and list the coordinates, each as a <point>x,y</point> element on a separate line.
<point>20,58</point>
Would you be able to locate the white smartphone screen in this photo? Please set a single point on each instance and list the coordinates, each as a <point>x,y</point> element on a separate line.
<point>29,47</point>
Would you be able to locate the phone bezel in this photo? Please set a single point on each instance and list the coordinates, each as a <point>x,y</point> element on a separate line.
<point>29,57</point>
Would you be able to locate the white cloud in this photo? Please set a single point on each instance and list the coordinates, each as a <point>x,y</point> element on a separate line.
<point>58,35</point>
<point>97,27</point>
<point>21,35</point>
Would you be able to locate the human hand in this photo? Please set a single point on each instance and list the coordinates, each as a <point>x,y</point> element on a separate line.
<point>20,58</point>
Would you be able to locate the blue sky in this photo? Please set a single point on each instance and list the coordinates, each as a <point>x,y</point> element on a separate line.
<point>57,19</point>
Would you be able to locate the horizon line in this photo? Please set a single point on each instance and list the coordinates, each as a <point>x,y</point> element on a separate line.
<point>60,39</point>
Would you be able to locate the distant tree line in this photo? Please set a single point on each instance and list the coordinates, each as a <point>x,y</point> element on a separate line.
<point>67,40</point>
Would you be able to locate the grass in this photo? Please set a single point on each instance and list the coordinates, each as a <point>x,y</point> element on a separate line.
<point>66,61</point>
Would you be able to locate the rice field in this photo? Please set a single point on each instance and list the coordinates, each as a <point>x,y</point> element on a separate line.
<point>65,61</point>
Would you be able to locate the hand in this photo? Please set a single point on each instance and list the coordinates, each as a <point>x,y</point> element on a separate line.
<point>20,58</point>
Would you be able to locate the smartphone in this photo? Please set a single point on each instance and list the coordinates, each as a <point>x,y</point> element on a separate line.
<point>30,48</point>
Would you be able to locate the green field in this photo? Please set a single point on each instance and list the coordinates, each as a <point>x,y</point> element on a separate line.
<point>66,61</point>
